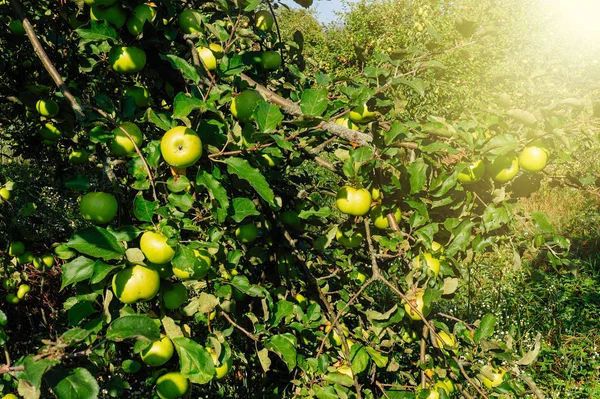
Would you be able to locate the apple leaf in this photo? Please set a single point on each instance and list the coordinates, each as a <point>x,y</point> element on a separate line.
<point>486,327</point>
<point>462,236</point>
<point>268,117</point>
<point>183,105</point>
<point>418,175</point>
<point>160,119</point>
<point>284,345</point>
<point>416,84</point>
<point>359,358</point>
<point>245,171</point>
<point>79,269</point>
<point>194,361</point>
<point>133,326</point>
<point>188,71</point>
<point>77,383</point>
<point>314,102</point>
<point>144,210</point>
<point>232,65</point>
<point>243,284</point>
<point>96,242</point>
<point>98,32</point>
<point>216,191</point>
<point>242,208</point>
<point>30,379</point>
<point>182,201</point>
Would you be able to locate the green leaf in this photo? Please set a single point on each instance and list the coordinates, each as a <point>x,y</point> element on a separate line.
<point>101,270</point>
<point>416,84</point>
<point>268,117</point>
<point>319,213</point>
<point>182,201</point>
<point>524,117</point>
<point>78,183</point>
<point>131,366</point>
<point>183,105</point>
<point>241,283</point>
<point>242,168</point>
<point>96,242</point>
<point>284,309</point>
<point>284,346</point>
<point>462,237</point>
<point>418,175</point>
<point>77,270</point>
<point>194,361</point>
<point>379,359</point>
<point>78,383</point>
<point>98,32</point>
<point>144,210</point>
<point>359,358</point>
<point>177,184</point>
<point>494,218</point>
<point>188,71</point>
<point>242,208</point>
<point>133,326</point>
<point>314,102</point>
<point>215,189</point>
<point>500,145</point>
<point>541,222</point>
<point>326,392</point>
<point>160,119</point>
<point>30,379</point>
<point>232,65</point>
<point>486,327</point>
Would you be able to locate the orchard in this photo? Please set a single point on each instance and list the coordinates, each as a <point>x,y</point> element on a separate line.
<point>226,199</point>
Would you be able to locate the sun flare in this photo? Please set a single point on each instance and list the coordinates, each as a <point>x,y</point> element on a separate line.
<point>578,17</point>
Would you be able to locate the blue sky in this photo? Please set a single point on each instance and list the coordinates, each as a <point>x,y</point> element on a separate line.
<point>324,9</point>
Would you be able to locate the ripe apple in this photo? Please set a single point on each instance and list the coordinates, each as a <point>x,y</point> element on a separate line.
<point>208,58</point>
<point>23,290</point>
<point>216,49</point>
<point>270,60</point>
<point>99,2</point>
<point>5,193</point>
<point>446,340</point>
<point>417,300</point>
<point>361,114</point>
<point>172,385</point>
<point>127,59</point>
<point>379,217</point>
<point>472,173</point>
<point>504,168</point>
<point>190,21</point>
<point>353,201</point>
<point>10,396</point>
<point>199,269</point>
<point>50,133</point>
<point>375,194</point>
<point>246,233</point>
<point>181,147</point>
<point>243,106</point>
<point>497,377</point>
<point>114,15</point>
<point>141,14</point>
<point>263,20</point>
<point>221,369</point>
<point>155,248</point>
<point>120,144</point>
<point>16,27</point>
<point>136,283</point>
<point>346,123</point>
<point>447,385</point>
<point>348,240</point>
<point>158,353</point>
<point>175,296</point>
<point>44,261</point>
<point>48,108</point>
<point>533,158</point>
<point>433,264</point>
<point>79,157</point>
<point>98,207</point>
<point>16,248</point>
<point>140,95</point>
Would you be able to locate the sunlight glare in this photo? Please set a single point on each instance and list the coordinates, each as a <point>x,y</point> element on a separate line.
<point>578,17</point>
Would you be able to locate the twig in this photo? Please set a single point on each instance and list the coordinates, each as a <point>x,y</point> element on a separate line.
<point>7,369</point>
<point>41,53</point>
<point>464,373</point>
<point>242,329</point>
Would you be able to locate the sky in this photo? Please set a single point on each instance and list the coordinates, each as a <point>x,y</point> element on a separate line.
<point>324,9</point>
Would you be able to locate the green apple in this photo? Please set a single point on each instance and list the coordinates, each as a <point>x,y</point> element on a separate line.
<point>361,114</point>
<point>216,49</point>
<point>98,207</point>
<point>158,353</point>
<point>50,133</point>
<point>352,201</point>
<point>416,299</point>
<point>120,145</point>
<point>375,194</point>
<point>43,262</point>
<point>136,283</point>
<point>48,108</point>
<point>495,377</point>
<point>533,158</point>
<point>135,26</point>
<point>221,368</point>
<point>172,385</point>
<point>472,173</point>
<point>175,296</point>
<point>243,106</point>
<point>10,396</point>
<point>347,123</point>
<point>270,60</point>
<point>140,95</point>
<point>23,290</point>
<point>263,20</point>
<point>208,58</point>
<point>504,168</point>
<point>190,21</point>
<point>145,12</point>
<point>16,248</point>
<point>25,257</point>
<point>79,157</point>
<point>12,298</point>
<point>446,341</point>
<point>5,194</point>
<point>124,59</point>
<point>155,248</point>
<point>181,147</point>
<point>246,233</point>
<point>379,217</point>
<point>199,269</point>
<point>114,15</point>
